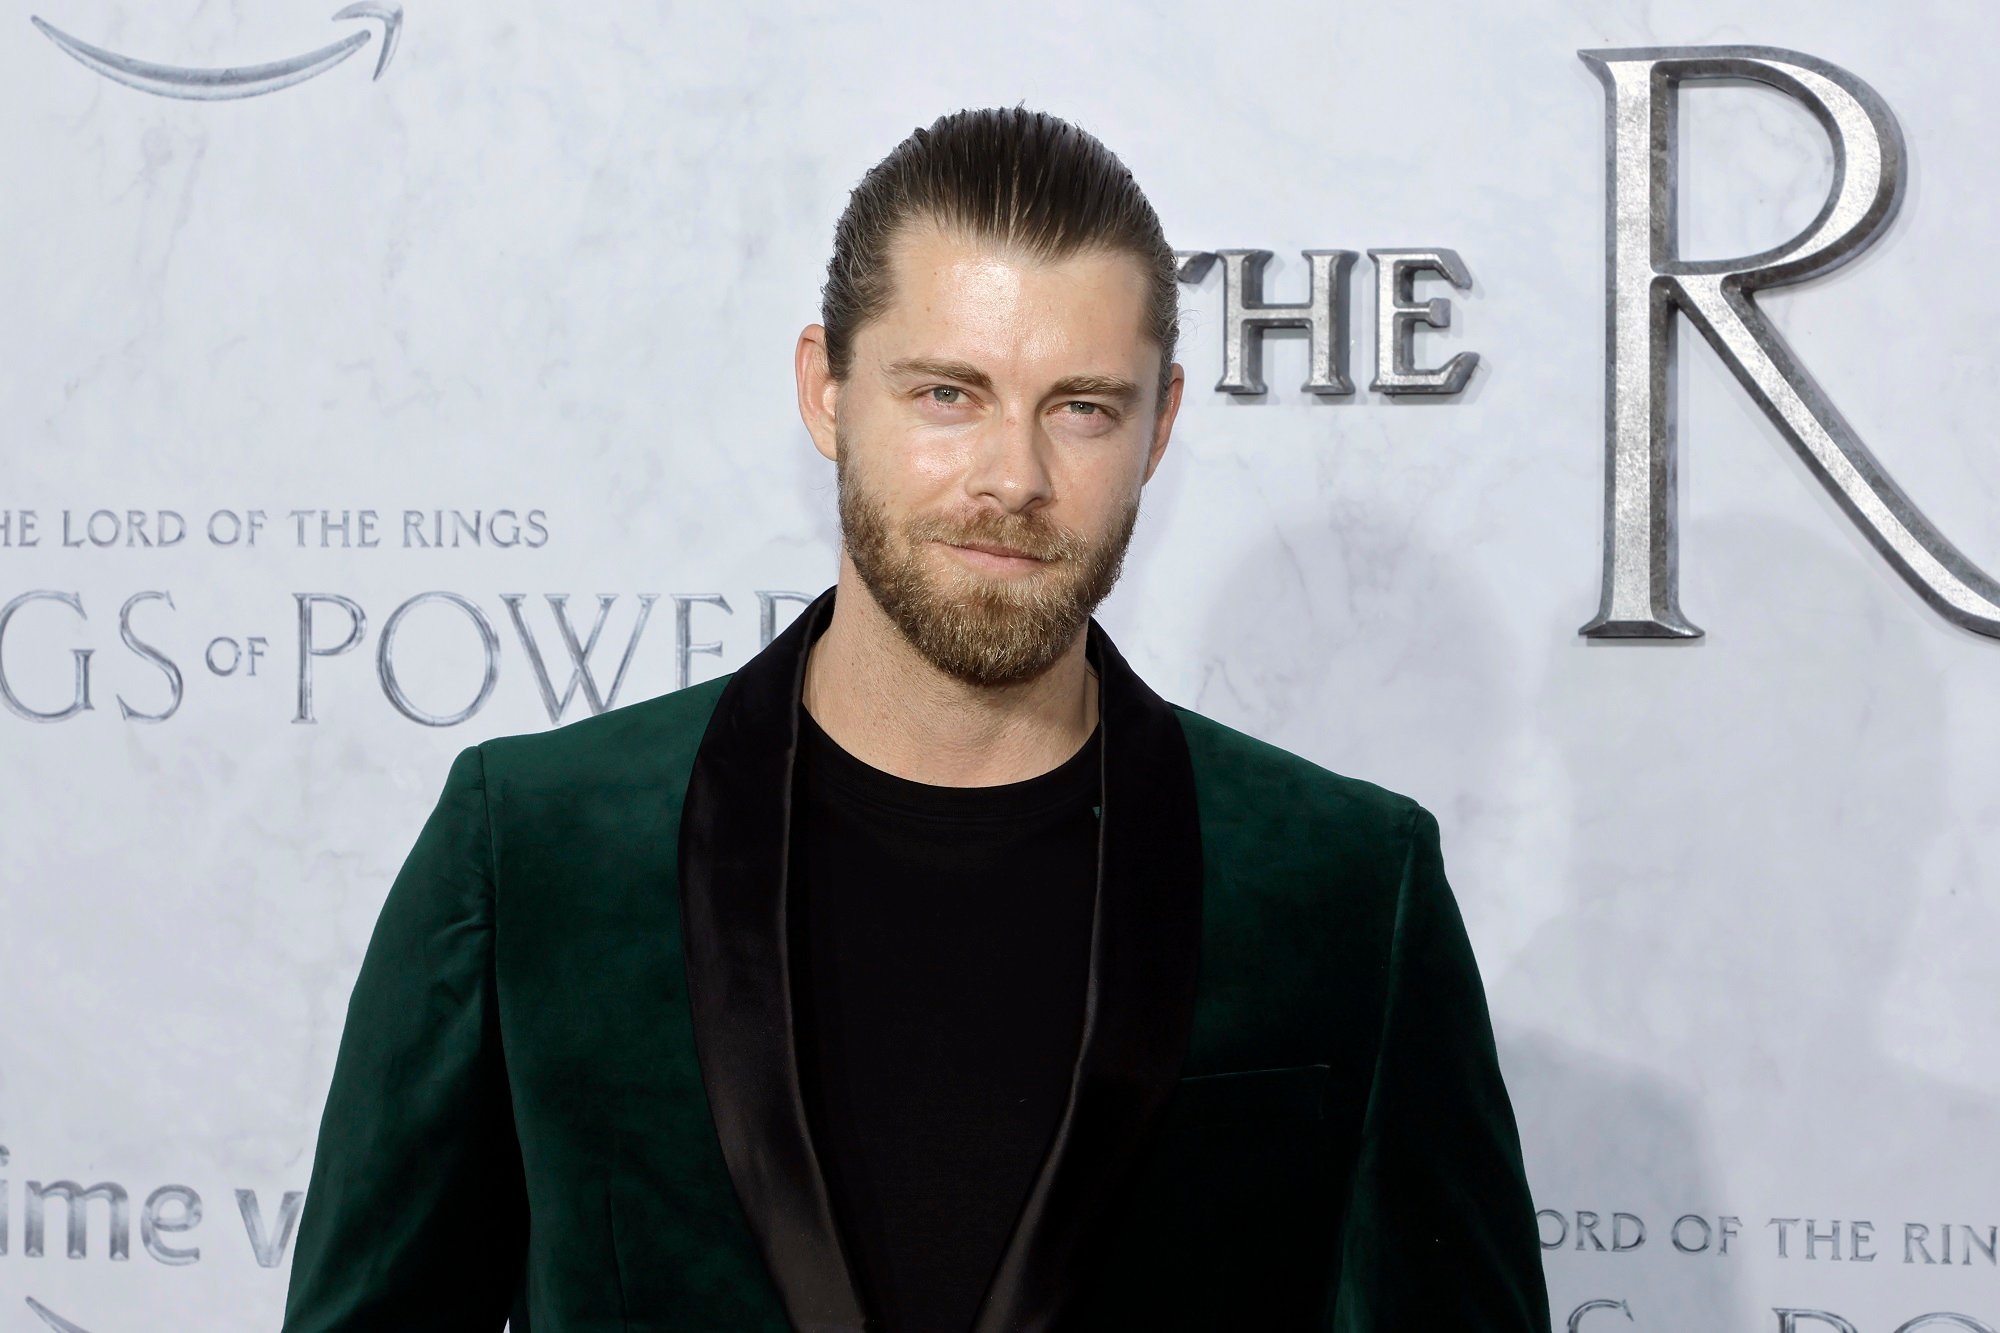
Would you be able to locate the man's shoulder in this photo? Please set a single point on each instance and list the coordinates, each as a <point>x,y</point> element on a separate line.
<point>638,742</point>
<point>1247,783</point>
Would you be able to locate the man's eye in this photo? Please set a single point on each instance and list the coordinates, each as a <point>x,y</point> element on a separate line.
<point>1096,409</point>
<point>937,389</point>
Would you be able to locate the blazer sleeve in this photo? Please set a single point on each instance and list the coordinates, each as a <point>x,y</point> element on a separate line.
<point>1440,1229</point>
<point>415,1213</point>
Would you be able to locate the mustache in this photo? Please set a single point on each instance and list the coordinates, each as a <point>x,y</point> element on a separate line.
<point>1031,534</point>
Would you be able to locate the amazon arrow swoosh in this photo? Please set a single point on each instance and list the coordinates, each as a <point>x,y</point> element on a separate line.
<point>211,85</point>
<point>54,1320</point>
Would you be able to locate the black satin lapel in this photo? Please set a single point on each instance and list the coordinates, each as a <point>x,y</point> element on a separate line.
<point>1144,960</point>
<point>735,829</point>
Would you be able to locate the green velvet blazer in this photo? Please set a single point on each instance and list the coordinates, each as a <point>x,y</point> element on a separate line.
<point>566,1092</point>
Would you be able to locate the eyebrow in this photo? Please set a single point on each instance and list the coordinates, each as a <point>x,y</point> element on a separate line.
<point>1106,386</point>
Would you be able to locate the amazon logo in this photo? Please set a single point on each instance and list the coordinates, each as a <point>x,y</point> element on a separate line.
<point>54,1320</point>
<point>217,84</point>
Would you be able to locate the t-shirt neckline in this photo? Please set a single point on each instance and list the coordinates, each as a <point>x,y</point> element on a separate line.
<point>1072,782</point>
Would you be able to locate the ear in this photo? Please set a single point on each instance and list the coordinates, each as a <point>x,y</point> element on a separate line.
<point>819,391</point>
<point>1163,423</point>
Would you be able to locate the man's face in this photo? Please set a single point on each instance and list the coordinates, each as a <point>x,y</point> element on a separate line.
<point>991,441</point>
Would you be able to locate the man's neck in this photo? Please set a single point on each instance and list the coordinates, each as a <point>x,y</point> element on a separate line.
<point>885,704</point>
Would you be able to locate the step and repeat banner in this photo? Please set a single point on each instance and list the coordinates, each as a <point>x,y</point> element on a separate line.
<point>1589,432</point>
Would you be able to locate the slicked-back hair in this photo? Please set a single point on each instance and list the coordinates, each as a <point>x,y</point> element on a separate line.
<point>1023,179</point>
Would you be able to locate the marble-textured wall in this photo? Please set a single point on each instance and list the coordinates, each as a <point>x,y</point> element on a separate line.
<point>1734,901</point>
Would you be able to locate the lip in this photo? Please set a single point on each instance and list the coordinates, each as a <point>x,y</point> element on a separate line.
<point>990,549</point>
<point>988,556</point>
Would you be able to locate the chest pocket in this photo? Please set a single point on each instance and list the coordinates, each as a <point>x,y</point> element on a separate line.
<point>1290,1095</point>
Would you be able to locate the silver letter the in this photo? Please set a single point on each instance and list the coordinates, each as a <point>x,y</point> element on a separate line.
<point>1245,316</point>
<point>1397,314</point>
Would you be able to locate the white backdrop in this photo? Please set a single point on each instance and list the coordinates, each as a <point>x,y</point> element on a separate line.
<point>1734,901</point>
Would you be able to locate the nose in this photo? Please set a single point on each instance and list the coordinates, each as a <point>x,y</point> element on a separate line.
<point>1009,462</point>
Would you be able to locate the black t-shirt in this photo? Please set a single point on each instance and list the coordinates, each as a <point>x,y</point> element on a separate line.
<point>941,946</point>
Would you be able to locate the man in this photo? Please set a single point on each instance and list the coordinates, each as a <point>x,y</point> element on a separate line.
<point>930,972</point>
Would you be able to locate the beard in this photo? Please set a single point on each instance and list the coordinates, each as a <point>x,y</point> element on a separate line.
<point>986,630</point>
